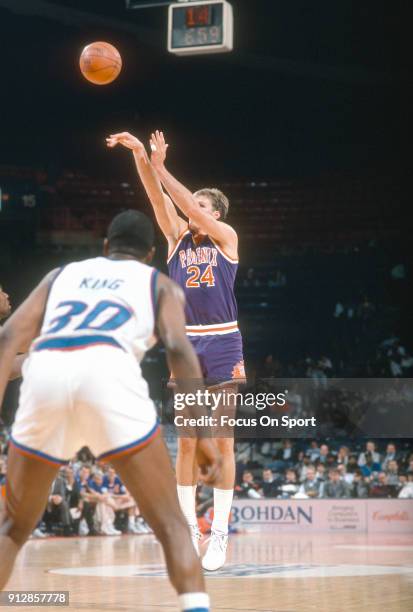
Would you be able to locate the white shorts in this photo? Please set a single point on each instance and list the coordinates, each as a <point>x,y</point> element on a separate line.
<point>93,397</point>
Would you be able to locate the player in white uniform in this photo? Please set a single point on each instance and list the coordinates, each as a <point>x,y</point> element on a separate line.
<point>89,325</point>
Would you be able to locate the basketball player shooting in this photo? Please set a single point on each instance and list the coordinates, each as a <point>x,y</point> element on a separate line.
<point>203,260</point>
<point>89,325</point>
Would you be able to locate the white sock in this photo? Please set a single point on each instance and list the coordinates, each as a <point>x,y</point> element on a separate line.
<point>222,509</point>
<point>186,496</point>
<point>194,602</point>
<point>131,520</point>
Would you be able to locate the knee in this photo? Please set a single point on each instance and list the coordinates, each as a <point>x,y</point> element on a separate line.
<point>187,446</point>
<point>226,447</point>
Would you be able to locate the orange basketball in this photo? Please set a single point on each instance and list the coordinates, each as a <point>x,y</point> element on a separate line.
<point>100,63</point>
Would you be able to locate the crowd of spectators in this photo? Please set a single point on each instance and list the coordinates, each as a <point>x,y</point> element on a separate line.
<point>89,498</point>
<point>86,498</point>
<point>282,471</point>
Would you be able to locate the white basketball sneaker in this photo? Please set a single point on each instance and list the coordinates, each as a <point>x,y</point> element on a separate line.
<point>196,536</point>
<point>217,551</point>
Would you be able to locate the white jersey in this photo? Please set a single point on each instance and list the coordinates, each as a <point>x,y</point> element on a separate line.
<point>101,301</point>
<point>82,382</point>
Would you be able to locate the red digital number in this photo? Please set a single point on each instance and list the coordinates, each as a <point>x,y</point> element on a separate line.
<point>198,16</point>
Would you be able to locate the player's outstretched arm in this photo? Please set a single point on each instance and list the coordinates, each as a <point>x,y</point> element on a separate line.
<point>184,363</point>
<point>185,201</point>
<point>21,328</point>
<point>167,217</point>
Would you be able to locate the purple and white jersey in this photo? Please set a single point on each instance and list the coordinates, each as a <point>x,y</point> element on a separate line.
<point>207,277</point>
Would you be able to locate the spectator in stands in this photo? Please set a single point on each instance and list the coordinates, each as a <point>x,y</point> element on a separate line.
<point>311,486</point>
<point>290,485</point>
<point>321,472</point>
<point>112,482</point>
<point>313,452</point>
<point>342,470</point>
<point>326,365</point>
<point>408,463</point>
<point>379,487</point>
<point>83,476</point>
<point>73,497</point>
<point>370,456</point>
<point>84,456</point>
<point>121,502</point>
<point>316,372</point>
<point>248,487</point>
<point>267,451</point>
<point>391,454</point>
<point>343,455</point>
<point>87,506</point>
<point>360,487</point>
<point>284,457</point>
<point>338,310</point>
<point>324,452</point>
<point>352,464</point>
<point>392,473</point>
<point>277,279</point>
<point>269,485</point>
<point>104,512</point>
<point>57,513</point>
<point>335,488</point>
<point>295,402</point>
<point>301,466</point>
<point>406,492</point>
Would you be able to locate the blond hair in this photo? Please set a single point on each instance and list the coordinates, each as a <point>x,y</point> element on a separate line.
<point>218,200</point>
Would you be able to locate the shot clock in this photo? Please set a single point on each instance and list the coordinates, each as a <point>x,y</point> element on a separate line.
<point>196,28</point>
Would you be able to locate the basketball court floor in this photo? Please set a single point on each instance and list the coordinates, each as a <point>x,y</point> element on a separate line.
<point>266,572</point>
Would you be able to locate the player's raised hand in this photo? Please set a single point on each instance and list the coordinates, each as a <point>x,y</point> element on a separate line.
<point>209,460</point>
<point>125,139</point>
<point>158,148</point>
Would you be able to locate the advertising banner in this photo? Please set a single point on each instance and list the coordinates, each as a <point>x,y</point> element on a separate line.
<point>323,515</point>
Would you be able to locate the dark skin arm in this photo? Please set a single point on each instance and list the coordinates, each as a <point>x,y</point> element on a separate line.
<point>183,361</point>
<point>16,370</point>
<point>21,329</point>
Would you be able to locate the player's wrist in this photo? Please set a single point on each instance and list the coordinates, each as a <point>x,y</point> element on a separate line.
<point>159,166</point>
<point>138,148</point>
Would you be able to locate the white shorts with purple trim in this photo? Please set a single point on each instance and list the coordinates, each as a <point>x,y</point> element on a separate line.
<point>95,397</point>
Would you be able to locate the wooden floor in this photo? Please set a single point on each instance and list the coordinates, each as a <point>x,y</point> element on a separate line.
<point>265,573</point>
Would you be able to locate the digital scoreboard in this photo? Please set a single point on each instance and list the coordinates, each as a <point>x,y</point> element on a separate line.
<point>196,28</point>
